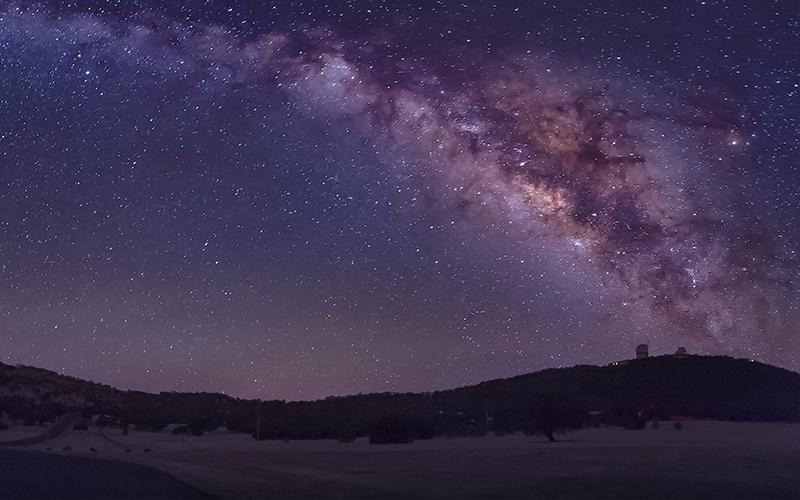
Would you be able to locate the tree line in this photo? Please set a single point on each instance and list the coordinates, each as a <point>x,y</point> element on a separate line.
<point>545,402</point>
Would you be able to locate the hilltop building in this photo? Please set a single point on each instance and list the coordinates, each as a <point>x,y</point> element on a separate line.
<point>642,351</point>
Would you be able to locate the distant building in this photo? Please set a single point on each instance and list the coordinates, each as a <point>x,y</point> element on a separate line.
<point>641,352</point>
<point>681,351</point>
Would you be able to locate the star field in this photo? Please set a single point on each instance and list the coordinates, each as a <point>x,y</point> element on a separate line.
<point>304,199</point>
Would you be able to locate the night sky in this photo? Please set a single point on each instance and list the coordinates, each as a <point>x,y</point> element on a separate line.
<point>300,199</point>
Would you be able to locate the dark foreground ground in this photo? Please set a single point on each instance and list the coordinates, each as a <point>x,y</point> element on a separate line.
<point>36,475</point>
<point>704,460</point>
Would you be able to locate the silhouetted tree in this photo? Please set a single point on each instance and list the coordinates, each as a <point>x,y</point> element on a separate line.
<point>424,427</point>
<point>394,428</point>
<point>554,412</point>
<point>346,434</point>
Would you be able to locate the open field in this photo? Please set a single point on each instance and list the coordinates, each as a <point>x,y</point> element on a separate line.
<point>705,460</point>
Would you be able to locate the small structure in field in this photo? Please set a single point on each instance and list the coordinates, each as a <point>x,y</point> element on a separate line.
<point>641,351</point>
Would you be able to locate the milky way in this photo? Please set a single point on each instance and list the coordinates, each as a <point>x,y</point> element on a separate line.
<point>296,201</point>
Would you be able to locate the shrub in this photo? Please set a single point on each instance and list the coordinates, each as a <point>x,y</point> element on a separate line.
<point>198,427</point>
<point>346,434</point>
<point>636,423</point>
<point>392,429</point>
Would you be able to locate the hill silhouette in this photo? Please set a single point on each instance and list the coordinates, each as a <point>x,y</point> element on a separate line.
<point>626,394</point>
